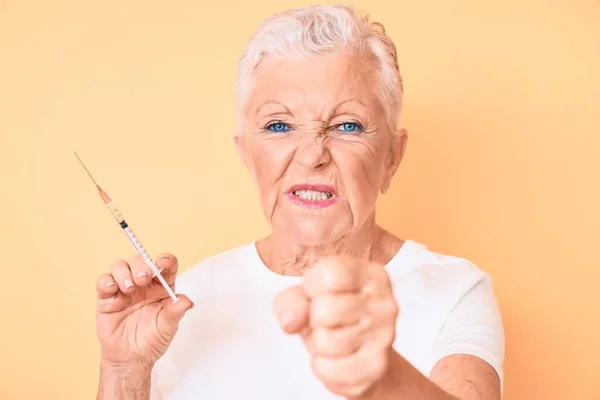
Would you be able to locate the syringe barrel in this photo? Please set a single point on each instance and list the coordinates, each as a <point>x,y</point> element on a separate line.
<point>136,243</point>
<point>130,235</point>
<point>138,246</point>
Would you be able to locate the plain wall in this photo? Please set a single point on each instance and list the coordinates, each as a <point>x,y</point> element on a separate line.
<point>502,105</point>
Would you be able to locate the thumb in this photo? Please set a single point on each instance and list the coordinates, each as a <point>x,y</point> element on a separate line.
<point>291,308</point>
<point>169,316</point>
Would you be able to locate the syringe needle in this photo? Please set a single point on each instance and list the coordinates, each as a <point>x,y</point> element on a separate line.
<point>84,167</point>
<point>130,235</point>
<point>102,193</point>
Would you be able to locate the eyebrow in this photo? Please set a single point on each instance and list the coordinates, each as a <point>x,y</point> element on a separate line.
<point>350,101</point>
<point>287,110</point>
<point>341,103</point>
<point>266,103</point>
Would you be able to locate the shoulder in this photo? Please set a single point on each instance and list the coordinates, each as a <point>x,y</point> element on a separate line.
<point>448,305</point>
<point>421,275</point>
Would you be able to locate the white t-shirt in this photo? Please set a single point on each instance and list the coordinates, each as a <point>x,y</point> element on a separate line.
<point>230,345</point>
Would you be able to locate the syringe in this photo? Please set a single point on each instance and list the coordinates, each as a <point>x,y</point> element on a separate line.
<point>130,235</point>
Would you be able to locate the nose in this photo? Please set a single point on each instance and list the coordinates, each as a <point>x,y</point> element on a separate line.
<point>312,152</point>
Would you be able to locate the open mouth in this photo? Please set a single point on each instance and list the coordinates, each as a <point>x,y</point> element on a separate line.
<point>312,195</point>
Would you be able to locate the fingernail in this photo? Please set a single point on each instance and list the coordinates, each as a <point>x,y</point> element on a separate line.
<point>160,259</point>
<point>110,284</point>
<point>128,283</point>
<point>141,275</point>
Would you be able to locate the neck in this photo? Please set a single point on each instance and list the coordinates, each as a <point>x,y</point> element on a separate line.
<point>371,243</point>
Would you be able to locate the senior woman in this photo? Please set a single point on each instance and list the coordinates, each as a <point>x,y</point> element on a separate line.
<point>329,305</point>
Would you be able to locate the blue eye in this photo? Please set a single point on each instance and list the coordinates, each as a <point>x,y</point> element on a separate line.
<point>350,127</point>
<point>278,127</point>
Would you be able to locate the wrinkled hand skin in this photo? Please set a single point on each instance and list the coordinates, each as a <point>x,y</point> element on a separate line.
<point>346,313</point>
<point>136,321</point>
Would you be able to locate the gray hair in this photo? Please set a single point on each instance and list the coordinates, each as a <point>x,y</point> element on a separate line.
<point>317,30</point>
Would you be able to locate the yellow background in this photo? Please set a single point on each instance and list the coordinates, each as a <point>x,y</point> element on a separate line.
<point>502,102</point>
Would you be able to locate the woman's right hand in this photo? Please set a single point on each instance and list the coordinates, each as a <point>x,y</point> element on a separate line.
<point>136,319</point>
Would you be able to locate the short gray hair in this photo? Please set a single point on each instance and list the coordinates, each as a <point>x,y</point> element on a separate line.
<point>317,30</point>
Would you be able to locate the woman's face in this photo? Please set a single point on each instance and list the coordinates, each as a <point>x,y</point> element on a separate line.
<point>317,145</point>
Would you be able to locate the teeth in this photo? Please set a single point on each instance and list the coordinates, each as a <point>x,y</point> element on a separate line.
<point>312,195</point>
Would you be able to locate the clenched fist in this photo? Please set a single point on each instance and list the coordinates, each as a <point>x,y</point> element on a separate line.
<point>346,313</point>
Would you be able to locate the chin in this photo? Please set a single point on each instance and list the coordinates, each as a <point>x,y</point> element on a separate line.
<point>312,233</point>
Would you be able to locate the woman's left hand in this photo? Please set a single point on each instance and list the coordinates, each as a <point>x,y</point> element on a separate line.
<point>346,313</point>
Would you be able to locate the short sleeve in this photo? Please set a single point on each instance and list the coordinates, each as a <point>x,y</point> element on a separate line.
<point>474,326</point>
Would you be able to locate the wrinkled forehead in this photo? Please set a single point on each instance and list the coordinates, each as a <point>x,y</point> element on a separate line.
<point>314,85</point>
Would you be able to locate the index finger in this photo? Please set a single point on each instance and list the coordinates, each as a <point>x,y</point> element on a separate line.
<point>335,275</point>
<point>167,264</point>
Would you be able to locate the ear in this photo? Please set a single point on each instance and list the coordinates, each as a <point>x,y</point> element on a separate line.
<point>397,150</point>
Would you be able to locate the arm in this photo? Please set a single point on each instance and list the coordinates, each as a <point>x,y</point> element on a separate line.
<point>123,384</point>
<point>467,356</point>
<point>467,377</point>
<point>456,377</point>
